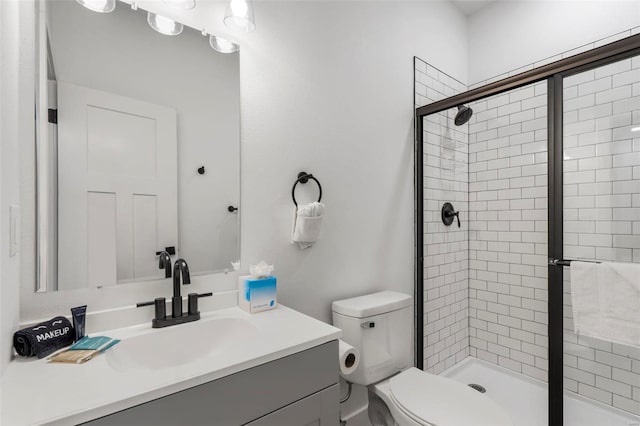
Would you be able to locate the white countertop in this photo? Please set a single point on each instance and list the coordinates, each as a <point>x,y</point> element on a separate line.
<point>37,392</point>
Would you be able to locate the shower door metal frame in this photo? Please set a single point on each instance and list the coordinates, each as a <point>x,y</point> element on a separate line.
<point>553,73</point>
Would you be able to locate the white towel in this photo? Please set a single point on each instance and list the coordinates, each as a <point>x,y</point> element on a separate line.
<point>307,223</point>
<point>606,301</point>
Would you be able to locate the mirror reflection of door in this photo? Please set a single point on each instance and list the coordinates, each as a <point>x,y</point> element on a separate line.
<point>125,190</point>
<point>117,187</point>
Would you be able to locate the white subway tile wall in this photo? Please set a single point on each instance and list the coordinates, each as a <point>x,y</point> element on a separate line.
<point>508,230</point>
<point>486,283</point>
<point>446,306</point>
<point>602,215</point>
<point>602,163</point>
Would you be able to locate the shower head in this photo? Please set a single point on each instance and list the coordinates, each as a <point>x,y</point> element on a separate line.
<point>463,115</point>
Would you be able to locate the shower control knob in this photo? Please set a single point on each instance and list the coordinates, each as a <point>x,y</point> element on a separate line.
<point>448,213</point>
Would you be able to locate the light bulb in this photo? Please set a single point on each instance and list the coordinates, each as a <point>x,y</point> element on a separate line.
<point>239,15</point>
<point>181,4</point>
<point>164,25</point>
<point>239,8</point>
<point>222,45</point>
<point>100,6</point>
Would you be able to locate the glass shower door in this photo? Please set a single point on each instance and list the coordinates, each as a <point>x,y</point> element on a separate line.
<point>601,223</point>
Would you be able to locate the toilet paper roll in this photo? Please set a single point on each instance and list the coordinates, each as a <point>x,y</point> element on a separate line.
<point>349,358</point>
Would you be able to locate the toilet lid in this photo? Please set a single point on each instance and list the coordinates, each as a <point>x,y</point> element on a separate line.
<point>440,401</point>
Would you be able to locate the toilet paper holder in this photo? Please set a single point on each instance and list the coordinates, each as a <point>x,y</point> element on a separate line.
<point>349,358</point>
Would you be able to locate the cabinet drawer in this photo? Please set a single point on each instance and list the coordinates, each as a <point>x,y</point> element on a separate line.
<point>319,409</point>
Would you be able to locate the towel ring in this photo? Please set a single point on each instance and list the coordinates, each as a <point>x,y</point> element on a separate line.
<point>303,177</point>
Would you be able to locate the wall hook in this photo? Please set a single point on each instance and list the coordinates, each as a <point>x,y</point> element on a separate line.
<point>201,170</point>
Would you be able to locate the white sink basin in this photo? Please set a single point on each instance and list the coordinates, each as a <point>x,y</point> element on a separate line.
<point>180,344</point>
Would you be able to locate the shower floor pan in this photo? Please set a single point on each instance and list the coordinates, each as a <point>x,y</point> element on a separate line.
<point>526,399</point>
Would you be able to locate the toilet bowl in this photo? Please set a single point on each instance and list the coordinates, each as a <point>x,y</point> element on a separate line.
<point>380,326</point>
<point>418,398</point>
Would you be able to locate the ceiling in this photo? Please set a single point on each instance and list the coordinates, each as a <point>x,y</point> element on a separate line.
<point>469,7</point>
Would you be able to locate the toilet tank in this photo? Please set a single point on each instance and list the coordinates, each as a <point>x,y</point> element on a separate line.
<point>380,326</point>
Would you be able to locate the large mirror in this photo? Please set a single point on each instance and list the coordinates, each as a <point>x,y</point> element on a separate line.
<point>138,144</point>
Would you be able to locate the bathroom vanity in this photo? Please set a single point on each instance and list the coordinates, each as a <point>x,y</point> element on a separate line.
<point>298,389</point>
<point>230,368</point>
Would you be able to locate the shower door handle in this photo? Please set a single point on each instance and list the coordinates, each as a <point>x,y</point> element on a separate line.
<point>559,262</point>
<point>567,262</point>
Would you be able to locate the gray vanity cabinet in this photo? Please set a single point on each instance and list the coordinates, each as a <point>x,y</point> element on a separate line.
<point>297,390</point>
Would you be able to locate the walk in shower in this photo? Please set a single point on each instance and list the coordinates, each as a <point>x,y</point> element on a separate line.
<point>542,167</point>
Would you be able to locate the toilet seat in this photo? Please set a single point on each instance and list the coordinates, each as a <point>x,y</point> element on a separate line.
<point>439,401</point>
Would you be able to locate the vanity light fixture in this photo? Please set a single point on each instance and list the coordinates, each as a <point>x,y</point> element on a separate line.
<point>181,4</point>
<point>239,15</point>
<point>100,6</point>
<point>222,45</point>
<point>635,129</point>
<point>164,25</point>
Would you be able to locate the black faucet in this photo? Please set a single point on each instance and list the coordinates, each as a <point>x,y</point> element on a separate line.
<point>164,262</point>
<point>180,271</point>
<point>180,268</point>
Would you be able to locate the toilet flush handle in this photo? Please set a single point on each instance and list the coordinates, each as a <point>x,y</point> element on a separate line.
<point>368,324</point>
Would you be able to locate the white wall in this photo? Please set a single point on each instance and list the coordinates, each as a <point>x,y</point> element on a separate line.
<point>16,126</point>
<point>510,34</point>
<point>326,88</point>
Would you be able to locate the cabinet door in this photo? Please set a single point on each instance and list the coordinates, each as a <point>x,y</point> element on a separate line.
<point>320,409</point>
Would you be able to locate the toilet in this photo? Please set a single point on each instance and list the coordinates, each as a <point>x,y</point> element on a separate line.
<point>380,326</point>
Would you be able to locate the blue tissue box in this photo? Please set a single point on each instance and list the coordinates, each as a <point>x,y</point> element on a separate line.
<point>257,294</point>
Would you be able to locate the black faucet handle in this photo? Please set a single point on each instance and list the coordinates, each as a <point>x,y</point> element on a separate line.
<point>161,308</point>
<point>171,250</point>
<point>160,305</point>
<point>193,301</point>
